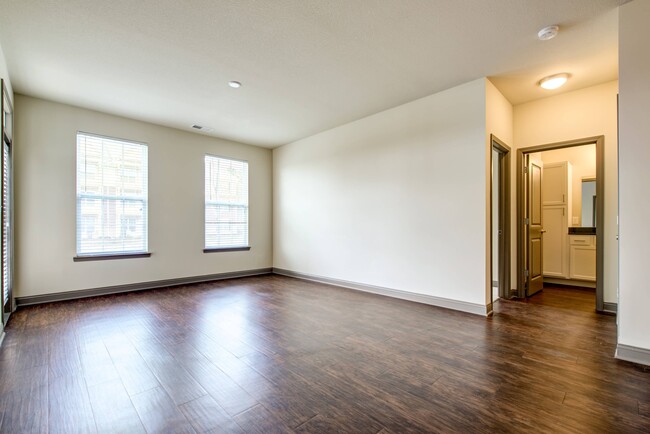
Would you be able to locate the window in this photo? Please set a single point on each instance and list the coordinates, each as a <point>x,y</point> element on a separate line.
<point>111,196</point>
<point>6,221</point>
<point>6,218</point>
<point>226,204</point>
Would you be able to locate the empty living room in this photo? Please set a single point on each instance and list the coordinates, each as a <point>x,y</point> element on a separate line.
<point>303,216</point>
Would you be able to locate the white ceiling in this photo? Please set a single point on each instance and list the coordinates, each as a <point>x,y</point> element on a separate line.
<point>306,65</point>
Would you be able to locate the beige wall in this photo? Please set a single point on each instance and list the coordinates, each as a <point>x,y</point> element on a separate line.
<point>583,163</point>
<point>634,65</point>
<point>499,121</point>
<point>45,202</point>
<point>498,115</point>
<point>396,200</point>
<point>4,73</point>
<point>574,115</point>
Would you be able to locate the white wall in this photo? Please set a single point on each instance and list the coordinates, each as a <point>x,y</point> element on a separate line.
<point>397,199</point>
<point>574,115</point>
<point>583,162</point>
<point>634,178</point>
<point>45,202</point>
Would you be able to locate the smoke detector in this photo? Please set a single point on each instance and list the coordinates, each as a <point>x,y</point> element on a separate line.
<point>547,33</point>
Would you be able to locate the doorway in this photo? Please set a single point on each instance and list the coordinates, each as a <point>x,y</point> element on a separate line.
<point>500,221</point>
<point>536,216</point>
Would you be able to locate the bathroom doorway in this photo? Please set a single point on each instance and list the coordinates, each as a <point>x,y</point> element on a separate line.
<point>560,241</point>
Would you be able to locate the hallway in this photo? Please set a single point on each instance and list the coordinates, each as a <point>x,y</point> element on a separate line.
<point>566,297</point>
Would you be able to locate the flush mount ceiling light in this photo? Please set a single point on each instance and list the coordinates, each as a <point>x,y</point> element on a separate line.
<point>547,33</point>
<point>553,81</point>
<point>234,84</point>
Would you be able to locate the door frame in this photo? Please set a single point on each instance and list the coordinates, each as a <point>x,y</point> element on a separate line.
<point>503,274</point>
<point>600,211</point>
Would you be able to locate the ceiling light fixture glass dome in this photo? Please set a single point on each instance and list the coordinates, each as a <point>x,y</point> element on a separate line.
<point>553,81</point>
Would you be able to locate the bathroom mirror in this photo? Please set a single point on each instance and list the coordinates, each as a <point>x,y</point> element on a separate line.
<point>588,202</point>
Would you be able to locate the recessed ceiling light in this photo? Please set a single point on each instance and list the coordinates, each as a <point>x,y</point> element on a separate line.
<point>201,128</point>
<point>234,84</point>
<point>554,81</point>
<point>547,33</point>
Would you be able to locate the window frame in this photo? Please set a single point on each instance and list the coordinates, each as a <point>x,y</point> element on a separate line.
<point>95,256</point>
<point>246,247</point>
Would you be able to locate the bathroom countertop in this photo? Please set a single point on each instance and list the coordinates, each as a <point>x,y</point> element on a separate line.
<point>582,231</point>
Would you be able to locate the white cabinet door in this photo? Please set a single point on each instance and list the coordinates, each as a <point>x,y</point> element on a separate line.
<point>582,261</point>
<point>555,242</point>
<point>555,187</point>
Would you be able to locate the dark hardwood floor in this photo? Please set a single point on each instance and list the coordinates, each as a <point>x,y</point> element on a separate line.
<point>566,297</point>
<point>274,354</point>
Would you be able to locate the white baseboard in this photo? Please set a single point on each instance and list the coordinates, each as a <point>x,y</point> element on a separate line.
<point>633,354</point>
<point>463,306</point>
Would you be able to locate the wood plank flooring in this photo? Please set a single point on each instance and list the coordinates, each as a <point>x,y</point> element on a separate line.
<point>274,354</point>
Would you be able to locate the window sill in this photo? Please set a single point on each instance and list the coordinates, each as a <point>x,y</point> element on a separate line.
<point>226,249</point>
<point>110,256</point>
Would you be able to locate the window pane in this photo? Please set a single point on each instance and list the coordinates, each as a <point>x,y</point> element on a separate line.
<point>226,202</point>
<point>111,196</point>
<point>6,232</point>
